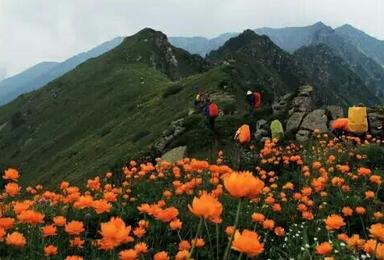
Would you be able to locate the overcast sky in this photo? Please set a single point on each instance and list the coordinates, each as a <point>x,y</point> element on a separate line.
<point>32,31</point>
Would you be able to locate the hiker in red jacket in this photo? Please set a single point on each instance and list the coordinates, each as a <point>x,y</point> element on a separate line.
<point>254,101</point>
<point>211,112</point>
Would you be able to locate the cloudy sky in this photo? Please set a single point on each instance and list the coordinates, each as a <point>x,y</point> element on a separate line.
<point>32,31</point>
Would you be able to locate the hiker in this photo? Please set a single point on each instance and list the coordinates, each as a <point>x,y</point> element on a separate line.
<point>199,100</point>
<point>254,101</point>
<point>339,127</point>
<point>211,111</point>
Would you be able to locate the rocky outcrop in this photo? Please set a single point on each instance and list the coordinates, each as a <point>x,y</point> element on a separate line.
<point>281,104</point>
<point>261,129</point>
<point>303,101</point>
<point>174,129</point>
<point>317,119</point>
<point>294,122</point>
<point>303,135</point>
<point>175,154</point>
<point>375,122</point>
<point>335,111</point>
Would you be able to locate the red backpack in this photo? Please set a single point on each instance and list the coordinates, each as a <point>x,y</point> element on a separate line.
<point>213,110</point>
<point>257,97</point>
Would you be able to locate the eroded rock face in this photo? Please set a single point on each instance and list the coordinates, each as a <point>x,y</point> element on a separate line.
<point>175,129</point>
<point>281,104</point>
<point>294,122</point>
<point>317,119</point>
<point>375,122</point>
<point>303,135</point>
<point>335,111</point>
<point>175,154</point>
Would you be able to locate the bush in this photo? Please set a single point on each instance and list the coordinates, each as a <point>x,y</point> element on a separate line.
<point>172,90</point>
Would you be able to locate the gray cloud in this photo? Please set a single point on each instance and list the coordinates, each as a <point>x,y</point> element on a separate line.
<point>42,30</point>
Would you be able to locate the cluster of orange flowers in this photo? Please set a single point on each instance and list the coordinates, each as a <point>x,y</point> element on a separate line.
<point>162,211</point>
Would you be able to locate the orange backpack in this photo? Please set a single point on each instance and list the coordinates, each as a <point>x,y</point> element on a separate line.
<point>340,124</point>
<point>257,97</point>
<point>213,110</point>
<point>243,134</point>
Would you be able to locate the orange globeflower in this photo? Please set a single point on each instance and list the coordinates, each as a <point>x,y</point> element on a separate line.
<point>184,245</point>
<point>20,206</point>
<point>59,221</point>
<point>49,230</point>
<point>248,243</point>
<point>74,257</point>
<point>161,256</point>
<point>279,231</point>
<point>114,233</point>
<point>175,224</point>
<point>364,171</point>
<point>334,222</point>
<point>15,239</point>
<point>360,210</point>
<point>268,224</point>
<point>258,217</point>
<point>83,202</point>
<point>74,227</point>
<point>167,215</point>
<point>243,184</point>
<point>77,242</point>
<point>31,217</point>
<point>12,189</point>
<point>128,254</point>
<point>207,207</point>
<point>101,206</point>
<point>354,242</point>
<point>347,211</point>
<point>50,250</point>
<point>377,231</point>
<point>198,242</point>
<point>324,248</point>
<point>182,255</point>
<point>11,174</point>
<point>141,248</point>
<point>6,223</point>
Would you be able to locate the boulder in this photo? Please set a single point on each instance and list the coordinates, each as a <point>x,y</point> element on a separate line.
<point>260,134</point>
<point>261,124</point>
<point>375,122</point>
<point>303,135</point>
<point>281,104</point>
<point>294,122</point>
<point>335,111</point>
<point>317,119</point>
<point>174,155</point>
<point>306,91</point>
<point>302,104</point>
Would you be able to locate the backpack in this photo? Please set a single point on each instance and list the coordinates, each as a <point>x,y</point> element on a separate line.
<point>243,134</point>
<point>357,120</point>
<point>213,110</point>
<point>340,124</point>
<point>257,97</point>
<point>277,130</point>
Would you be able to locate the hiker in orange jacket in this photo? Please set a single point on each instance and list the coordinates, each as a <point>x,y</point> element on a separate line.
<point>254,101</point>
<point>211,111</point>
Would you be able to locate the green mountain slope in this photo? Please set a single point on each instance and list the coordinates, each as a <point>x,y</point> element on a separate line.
<point>335,81</point>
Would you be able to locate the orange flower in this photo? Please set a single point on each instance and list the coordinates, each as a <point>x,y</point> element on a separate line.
<point>279,231</point>
<point>161,256</point>
<point>7,223</point>
<point>248,243</point>
<point>364,171</point>
<point>377,231</point>
<point>114,233</point>
<point>128,254</point>
<point>175,224</point>
<point>229,230</point>
<point>268,224</point>
<point>207,207</point>
<point>258,217</point>
<point>11,174</point>
<point>101,206</point>
<point>182,255</point>
<point>141,248</point>
<point>369,195</point>
<point>198,242</point>
<point>74,257</point>
<point>324,248</point>
<point>49,230</point>
<point>50,250</point>
<point>77,242</point>
<point>334,222</point>
<point>139,232</point>
<point>30,217</point>
<point>184,245</point>
<point>166,215</point>
<point>347,211</point>
<point>83,202</point>
<point>59,221</point>
<point>2,234</point>
<point>74,227</point>
<point>354,242</point>
<point>15,239</point>
<point>243,184</point>
<point>20,206</point>
<point>12,189</point>
<point>360,210</point>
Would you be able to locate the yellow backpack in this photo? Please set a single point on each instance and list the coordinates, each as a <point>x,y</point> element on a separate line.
<point>357,117</point>
<point>277,130</point>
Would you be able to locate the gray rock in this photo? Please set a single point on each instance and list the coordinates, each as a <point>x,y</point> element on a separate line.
<point>317,119</point>
<point>303,135</point>
<point>260,134</point>
<point>174,155</point>
<point>335,111</point>
<point>294,122</point>
<point>306,91</point>
<point>302,104</point>
<point>261,124</point>
<point>375,122</point>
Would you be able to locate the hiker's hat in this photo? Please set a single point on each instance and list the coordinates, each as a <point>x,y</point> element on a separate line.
<point>249,92</point>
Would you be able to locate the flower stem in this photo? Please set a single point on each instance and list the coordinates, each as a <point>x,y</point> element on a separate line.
<point>226,255</point>
<point>217,241</point>
<point>196,236</point>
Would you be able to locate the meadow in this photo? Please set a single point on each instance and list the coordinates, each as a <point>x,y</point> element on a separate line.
<point>284,200</point>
